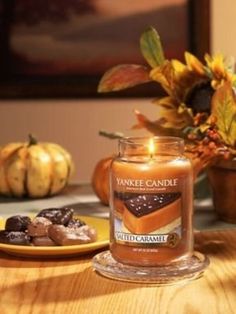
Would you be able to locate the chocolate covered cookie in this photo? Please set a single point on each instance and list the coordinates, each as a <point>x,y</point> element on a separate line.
<point>58,216</point>
<point>14,237</point>
<point>89,231</point>
<point>76,223</point>
<point>51,227</point>
<point>70,236</point>
<point>43,241</point>
<point>39,227</point>
<point>17,223</point>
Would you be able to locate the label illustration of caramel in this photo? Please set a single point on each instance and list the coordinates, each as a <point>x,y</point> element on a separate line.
<point>148,218</point>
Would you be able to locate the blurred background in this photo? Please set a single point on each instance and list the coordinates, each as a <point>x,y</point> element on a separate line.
<point>53,53</point>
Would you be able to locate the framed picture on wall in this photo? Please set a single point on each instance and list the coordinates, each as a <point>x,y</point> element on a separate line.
<point>61,48</point>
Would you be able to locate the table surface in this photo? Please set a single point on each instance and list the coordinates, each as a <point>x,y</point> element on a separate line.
<point>70,285</point>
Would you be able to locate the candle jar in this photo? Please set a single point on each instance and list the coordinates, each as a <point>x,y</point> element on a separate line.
<point>151,188</point>
<point>151,233</point>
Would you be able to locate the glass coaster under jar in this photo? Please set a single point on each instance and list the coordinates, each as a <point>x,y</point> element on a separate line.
<point>178,272</point>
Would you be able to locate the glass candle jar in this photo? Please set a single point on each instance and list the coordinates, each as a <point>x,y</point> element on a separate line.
<point>151,185</point>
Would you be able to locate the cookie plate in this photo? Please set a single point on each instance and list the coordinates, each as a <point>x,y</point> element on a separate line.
<point>101,225</point>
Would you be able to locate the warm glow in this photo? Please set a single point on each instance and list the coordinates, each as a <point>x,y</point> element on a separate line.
<point>151,147</point>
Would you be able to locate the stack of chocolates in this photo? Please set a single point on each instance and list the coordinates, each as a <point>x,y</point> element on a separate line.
<point>51,227</point>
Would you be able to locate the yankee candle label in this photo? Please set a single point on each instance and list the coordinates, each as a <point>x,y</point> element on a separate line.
<point>169,240</point>
<point>147,218</point>
<point>146,185</point>
<point>141,238</point>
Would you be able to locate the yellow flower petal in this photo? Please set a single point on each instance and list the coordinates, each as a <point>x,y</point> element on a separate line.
<point>178,66</point>
<point>233,79</point>
<point>194,64</point>
<point>157,75</point>
<point>216,65</point>
<point>163,75</point>
<point>219,70</point>
<point>208,59</point>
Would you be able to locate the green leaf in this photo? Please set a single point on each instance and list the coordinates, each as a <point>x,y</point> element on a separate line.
<point>123,76</point>
<point>224,109</point>
<point>151,47</point>
<point>111,135</point>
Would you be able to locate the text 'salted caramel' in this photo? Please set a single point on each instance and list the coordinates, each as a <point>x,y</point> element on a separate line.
<point>151,202</point>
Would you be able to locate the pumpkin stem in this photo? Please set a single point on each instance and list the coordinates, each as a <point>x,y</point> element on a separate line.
<point>112,136</point>
<point>32,140</point>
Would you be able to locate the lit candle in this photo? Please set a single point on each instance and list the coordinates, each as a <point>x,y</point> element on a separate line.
<point>151,202</point>
<point>151,147</point>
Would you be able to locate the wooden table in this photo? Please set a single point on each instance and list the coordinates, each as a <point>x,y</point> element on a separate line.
<point>71,286</point>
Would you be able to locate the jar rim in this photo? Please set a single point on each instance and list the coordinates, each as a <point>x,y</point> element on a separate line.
<point>157,139</point>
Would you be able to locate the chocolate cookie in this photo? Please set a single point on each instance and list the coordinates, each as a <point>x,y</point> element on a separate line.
<point>58,216</point>
<point>39,227</point>
<point>14,237</point>
<point>17,223</point>
<point>71,236</point>
<point>43,241</point>
<point>76,223</point>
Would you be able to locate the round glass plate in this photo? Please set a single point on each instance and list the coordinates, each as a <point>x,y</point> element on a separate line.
<point>181,271</point>
<point>101,225</point>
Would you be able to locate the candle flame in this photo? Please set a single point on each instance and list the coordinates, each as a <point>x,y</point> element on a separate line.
<point>151,147</point>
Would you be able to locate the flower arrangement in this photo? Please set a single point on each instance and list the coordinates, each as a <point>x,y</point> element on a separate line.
<point>200,102</point>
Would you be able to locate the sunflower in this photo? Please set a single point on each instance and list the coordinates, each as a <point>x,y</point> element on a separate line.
<point>199,105</point>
